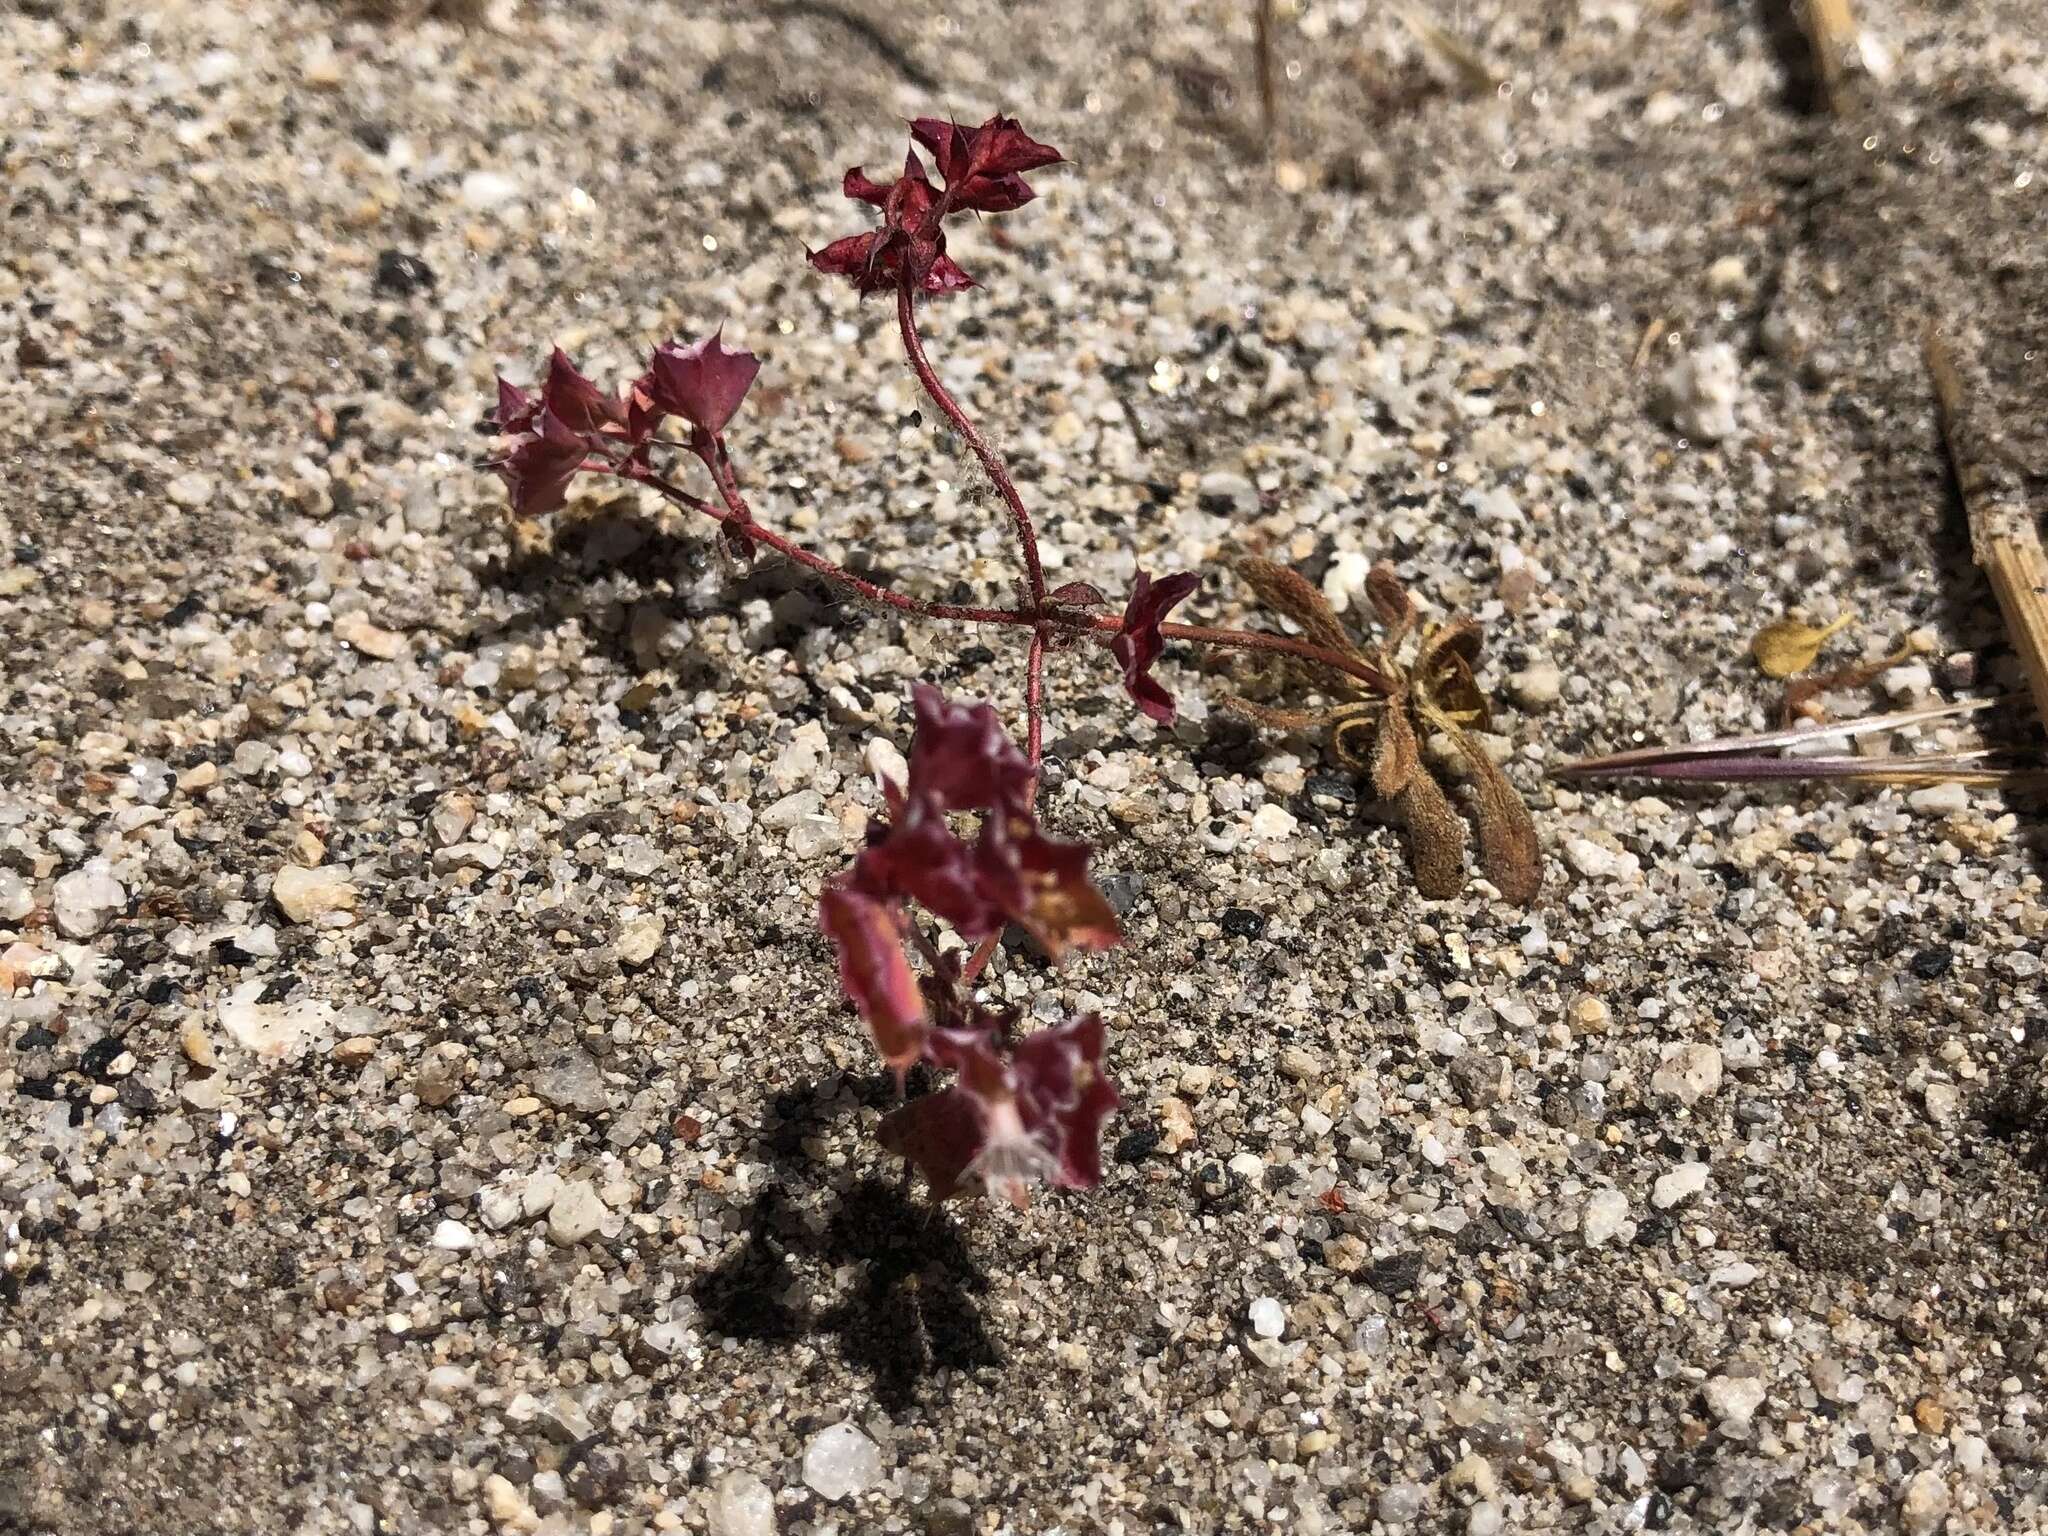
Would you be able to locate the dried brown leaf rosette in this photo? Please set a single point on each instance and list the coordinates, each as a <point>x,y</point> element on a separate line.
<point>1414,681</point>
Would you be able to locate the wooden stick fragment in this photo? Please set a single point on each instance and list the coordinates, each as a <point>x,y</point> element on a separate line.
<point>1831,33</point>
<point>1465,64</point>
<point>1262,55</point>
<point>2005,539</point>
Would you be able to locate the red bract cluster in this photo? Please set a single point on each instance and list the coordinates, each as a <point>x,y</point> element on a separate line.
<point>983,173</point>
<point>1007,872</point>
<point>573,425</point>
<point>1019,1112</point>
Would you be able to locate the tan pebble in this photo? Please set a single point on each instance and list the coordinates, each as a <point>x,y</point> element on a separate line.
<point>1346,1253</point>
<point>1930,1416</point>
<point>355,629</point>
<point>1473,1475</point>
<point>197,1046</point>
<point>853,451</point>
<point>505,1504</point>
<point>1301,1064</point>
<point>304,894</point>
<point>522,1106</point>
<point>1176,1125</point>
<point>355,1050</point>
<point>200,776</point>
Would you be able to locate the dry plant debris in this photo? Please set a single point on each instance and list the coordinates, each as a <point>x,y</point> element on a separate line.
<point>1831,32</point>
<point>2005,539</point>
<point>1386,706</point>
<point>1789,646</point>
<point>1464,65</point>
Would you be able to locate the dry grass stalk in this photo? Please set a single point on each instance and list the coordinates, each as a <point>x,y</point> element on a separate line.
<point>1466,66</point>
<point>2005,539</point>
<point>1830,29</point>
<point>1262,55</point>
<point>1755,759</point>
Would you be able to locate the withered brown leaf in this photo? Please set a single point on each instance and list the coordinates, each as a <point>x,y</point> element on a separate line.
<point>1436,837</point>
<point>1286,591</point>
<point>1390,600</point>
<point>1379,712</point>
<point>1507,836</point>
<point>1395,757</point>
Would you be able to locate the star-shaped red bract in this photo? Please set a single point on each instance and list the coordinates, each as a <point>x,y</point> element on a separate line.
<point>983,173</point>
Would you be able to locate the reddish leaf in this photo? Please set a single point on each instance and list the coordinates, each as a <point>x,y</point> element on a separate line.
<point>1065,908</point>
<point>703,382</point>
<point>945,275</point>
<point>951,146</point>
<point>539,468</point>
<point>921,858</point>
<point>874,972</point>
<point>858,185</point>
<point>1140,643</point>
<point>574,401</point>
<point>853,258</point>
<point>981,165</point>
<point>1065,1096</point>
<point>1008,872</point>
<point>516,409</point>
<point>981,168</point>
<point>1077,594</point>
<point>941,1133</point>
<point>962,758</point>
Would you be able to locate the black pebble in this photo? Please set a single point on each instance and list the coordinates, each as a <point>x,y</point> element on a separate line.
<point>94,1060</point>
<point>1137,1146</point>
<point>1243,922</point>
<point>1933,963</point>
<point>1393,1275</point>
<point>402,274</point>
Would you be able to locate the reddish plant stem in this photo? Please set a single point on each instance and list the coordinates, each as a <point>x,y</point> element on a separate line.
<point>837,575</point>
<point>1034,711</point>
<point>1103,626</point>
<point>719,462</point>
<point>978,961</point>
<point>991,461</point>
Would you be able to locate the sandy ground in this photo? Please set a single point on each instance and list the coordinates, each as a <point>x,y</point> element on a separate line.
<point>538,1187</point>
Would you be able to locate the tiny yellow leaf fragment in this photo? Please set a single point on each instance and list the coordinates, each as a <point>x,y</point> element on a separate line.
<point>1788,646</point>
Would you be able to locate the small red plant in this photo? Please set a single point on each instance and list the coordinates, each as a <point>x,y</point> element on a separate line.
<point>1018,1109</point>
